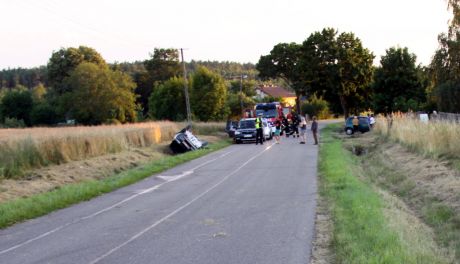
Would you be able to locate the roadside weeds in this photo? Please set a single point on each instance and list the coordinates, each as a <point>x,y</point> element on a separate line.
<point>370,225</point>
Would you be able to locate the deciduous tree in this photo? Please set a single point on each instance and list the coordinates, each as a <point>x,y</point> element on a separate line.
<point>354,70</point>
<point>208,94</point>
<point>396,82</point>
<point>445,65</point>
<point>65,60</point>
<point>163,65</point>
<point>247,87</point>
<point>338,68</point>
<point>168,101</point>
<point>283,62</point>
<point>99,94</point>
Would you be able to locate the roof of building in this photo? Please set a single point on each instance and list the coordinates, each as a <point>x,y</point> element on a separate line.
<point>276,91</point>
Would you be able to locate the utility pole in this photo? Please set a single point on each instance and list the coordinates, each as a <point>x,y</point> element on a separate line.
<point>242,76</point>
<point>241,94</point>
<point>187,100</point>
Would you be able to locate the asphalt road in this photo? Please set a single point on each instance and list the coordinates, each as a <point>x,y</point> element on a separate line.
<point>244,204</point>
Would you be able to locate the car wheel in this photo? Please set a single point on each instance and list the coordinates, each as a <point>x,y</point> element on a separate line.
<point>349,131</point>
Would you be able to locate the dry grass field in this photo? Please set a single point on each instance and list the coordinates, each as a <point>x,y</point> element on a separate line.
<point>25,149</point>
<point>435,139</point>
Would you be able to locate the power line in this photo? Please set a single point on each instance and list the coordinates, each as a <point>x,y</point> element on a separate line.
<point>84,28</point>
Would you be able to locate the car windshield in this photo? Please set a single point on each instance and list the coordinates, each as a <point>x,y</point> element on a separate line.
<point>268,110</point>
<point>247,124</point>
<point>267,113</point>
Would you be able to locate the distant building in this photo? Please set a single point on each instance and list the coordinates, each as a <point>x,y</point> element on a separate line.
<point>276,91</point>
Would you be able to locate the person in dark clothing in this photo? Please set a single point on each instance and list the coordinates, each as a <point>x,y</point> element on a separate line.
<point>259,130</point>
<point>314,130</point>
<point>286,127</point>
<point>295,124</point>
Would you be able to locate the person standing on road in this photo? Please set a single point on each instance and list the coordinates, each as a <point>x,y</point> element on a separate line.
<point>277,130</point>
<point>314,130</point>
<point>286,126</point>
<point>295,124</point>
<point>303,130</point>
<point>259,130</point>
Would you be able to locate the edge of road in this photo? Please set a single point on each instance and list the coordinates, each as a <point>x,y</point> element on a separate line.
<point>19,210</point>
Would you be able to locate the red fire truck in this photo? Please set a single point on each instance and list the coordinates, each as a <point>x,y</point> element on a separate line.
<point>271,111</point>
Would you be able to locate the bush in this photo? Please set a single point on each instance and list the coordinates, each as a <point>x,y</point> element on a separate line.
<point>17,105</point>
<point>316,107</point>
<point>13,123</point>
<point>43,114</point>
<point>112,121</point>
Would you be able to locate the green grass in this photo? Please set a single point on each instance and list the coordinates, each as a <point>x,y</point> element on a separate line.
<point>442,218</point>
<point>27,208</point>
<point>361,233</point>
<point>445,223</point>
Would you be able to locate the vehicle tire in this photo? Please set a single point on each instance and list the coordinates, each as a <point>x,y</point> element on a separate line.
<point>237,142</point>
<point>349,131</point>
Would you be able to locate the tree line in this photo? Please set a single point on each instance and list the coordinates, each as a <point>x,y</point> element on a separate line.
<point>331,69</point>
<point>337,68</point>
<point>78,84</point>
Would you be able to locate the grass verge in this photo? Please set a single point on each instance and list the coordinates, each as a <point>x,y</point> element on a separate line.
<point>361,233</point>
<point>427,186</point>
<point>27,208</point>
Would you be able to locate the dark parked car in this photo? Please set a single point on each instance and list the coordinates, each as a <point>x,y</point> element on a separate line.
<point>246,130</point>
<point>362,127</point>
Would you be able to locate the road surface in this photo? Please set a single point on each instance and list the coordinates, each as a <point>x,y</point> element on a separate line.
<point>243,204</point>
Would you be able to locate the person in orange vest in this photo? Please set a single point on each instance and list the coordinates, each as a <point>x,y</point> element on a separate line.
<point>259,130</point>
<point>355,124</point>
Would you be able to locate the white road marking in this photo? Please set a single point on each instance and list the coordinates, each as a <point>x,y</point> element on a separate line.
<point>173,178</point>
<point>178,209</point>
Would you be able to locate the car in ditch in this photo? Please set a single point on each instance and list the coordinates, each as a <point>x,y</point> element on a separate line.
<point>363,126</point>
<point>246,130</point>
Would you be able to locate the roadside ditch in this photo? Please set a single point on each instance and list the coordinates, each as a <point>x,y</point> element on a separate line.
<point>421,194</point>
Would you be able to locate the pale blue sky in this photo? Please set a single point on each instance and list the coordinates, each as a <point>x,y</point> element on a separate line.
<point>238,30</point>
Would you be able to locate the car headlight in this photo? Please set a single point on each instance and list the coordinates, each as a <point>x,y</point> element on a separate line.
<point>237,132</point>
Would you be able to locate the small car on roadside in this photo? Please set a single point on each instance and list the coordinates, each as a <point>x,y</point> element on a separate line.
<point>363,126</point>
<point>246,130</point>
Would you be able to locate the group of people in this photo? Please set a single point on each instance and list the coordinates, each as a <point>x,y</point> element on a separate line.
<point>370,120</point>
<point>293,124</point>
